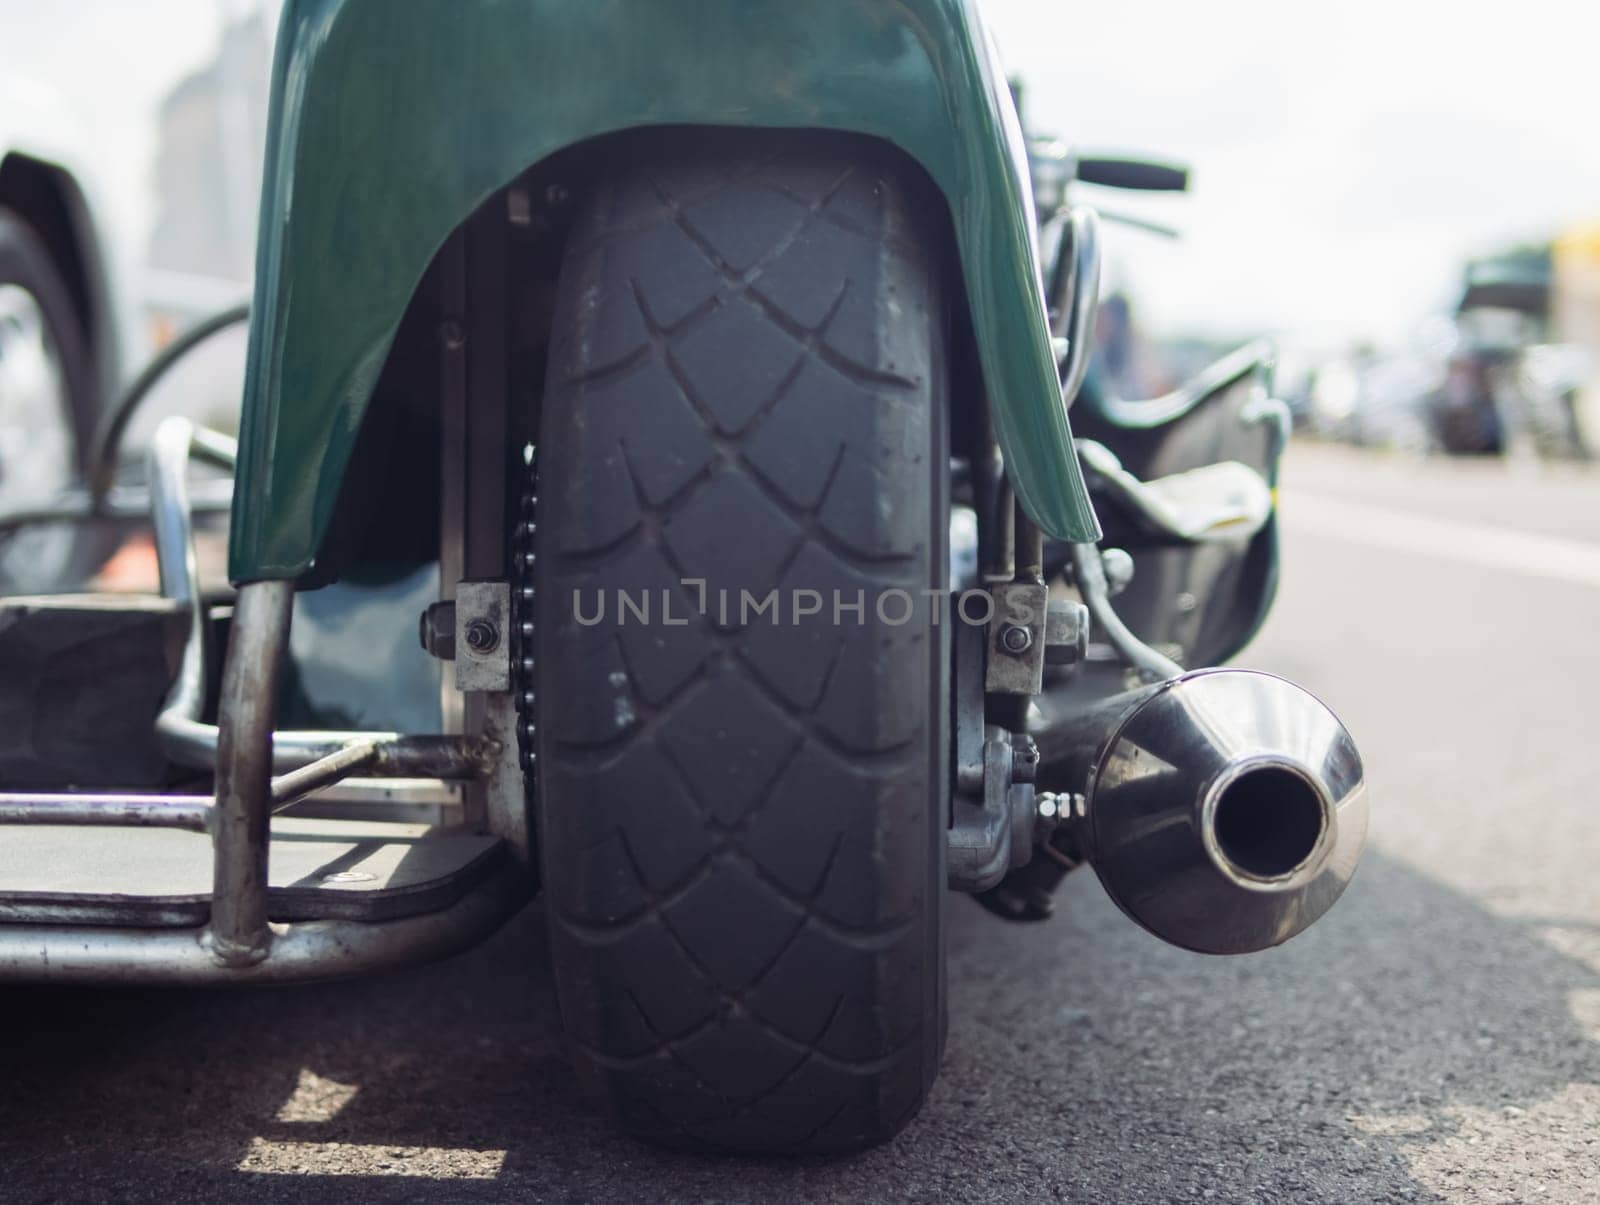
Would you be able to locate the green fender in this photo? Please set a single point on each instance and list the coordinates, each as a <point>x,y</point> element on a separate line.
<point>391,122</point>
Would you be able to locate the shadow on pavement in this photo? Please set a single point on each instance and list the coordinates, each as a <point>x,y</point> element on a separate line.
<point>1086,1061</point>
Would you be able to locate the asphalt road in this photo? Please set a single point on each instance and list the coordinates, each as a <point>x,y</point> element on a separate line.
<point>1437,1038</point>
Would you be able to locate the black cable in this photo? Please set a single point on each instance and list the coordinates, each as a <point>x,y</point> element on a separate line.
<point>108,443</point>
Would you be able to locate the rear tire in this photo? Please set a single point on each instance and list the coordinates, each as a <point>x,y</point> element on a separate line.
<point>742,824</point>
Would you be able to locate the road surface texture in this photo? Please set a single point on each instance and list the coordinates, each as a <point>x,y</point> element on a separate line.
<point>1437,1038</point>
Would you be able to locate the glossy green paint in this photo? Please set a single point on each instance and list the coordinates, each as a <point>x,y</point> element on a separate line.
<point>392,121</point>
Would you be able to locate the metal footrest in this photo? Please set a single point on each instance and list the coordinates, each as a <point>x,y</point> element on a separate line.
<point>349,870</point>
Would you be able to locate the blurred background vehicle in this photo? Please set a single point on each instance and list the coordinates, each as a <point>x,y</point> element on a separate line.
<point>60,343</point>
<point>1343,183</point>
<point>1512,387</point>
<point>128,197</point>
<point>1494,377</point>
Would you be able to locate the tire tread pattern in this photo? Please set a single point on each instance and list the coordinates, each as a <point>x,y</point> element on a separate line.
<point>736,817</point>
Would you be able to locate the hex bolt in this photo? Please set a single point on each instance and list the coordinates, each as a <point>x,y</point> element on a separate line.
<point>482,636</point>
<point>1066,632</point>
<point>1015,640</point>
<point>439,630</point>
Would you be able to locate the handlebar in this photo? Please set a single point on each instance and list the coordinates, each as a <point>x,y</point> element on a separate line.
<point>1139,174</point>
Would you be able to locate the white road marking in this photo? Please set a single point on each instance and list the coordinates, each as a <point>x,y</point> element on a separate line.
<point>268,1157</point>
<point>1485,545</point>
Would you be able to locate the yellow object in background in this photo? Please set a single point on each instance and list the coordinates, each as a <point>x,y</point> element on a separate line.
<point>1575,310</point>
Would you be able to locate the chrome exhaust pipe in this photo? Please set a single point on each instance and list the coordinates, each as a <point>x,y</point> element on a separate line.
<point>1225,810</point>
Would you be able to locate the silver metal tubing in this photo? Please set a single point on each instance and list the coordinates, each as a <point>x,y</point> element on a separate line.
<point>1146,413</point>
<point>299,952</point>
<point>297,784</point>
<point>1085,227</point>
<point>452,758</point>
<point>183,735</point>
<point>132,502</point>
<point>215,448</point>
<point>167,470</point>
<point>257,648</point>
<point>191,812</point>
<point>1090,576</point>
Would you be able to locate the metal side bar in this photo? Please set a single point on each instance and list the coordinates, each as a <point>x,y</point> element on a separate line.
<point>250,679</point>
<point>300,952</point>
<point>239,944</point>
<point>307,761</point>
<point>183,734</point>
<point>167,471</point>
<point>210,497</point>
<point>191,812</point>
<point>297,784</point>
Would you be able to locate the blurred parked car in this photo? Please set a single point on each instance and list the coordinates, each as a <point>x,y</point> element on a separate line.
<point>1374,400</point>
<point>1489,380</point>
<point>87,294</point>
<point>1507,364</point>
<point>61,341</point>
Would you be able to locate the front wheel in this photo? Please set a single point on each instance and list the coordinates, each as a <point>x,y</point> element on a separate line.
<point>743,743</point>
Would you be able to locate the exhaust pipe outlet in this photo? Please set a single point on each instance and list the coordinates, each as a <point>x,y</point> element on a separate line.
<point>1226,811</point>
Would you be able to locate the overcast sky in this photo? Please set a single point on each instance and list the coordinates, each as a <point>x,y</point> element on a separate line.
<point>1347,155</point>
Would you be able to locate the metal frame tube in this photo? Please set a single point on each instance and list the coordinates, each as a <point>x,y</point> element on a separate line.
<point>167,470</point>
<point>297,784</point>
<point>191,812</point>
<point>996,508</point>
<point>250,680</point>
<point>300,952</point>
<point>183,735</point>
<point>452,758</point>
<point>1029,549</point>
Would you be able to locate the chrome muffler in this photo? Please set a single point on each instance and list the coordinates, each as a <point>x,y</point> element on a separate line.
<point>1224,810</point>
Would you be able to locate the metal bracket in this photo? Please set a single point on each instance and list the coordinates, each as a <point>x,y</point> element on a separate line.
<point>483,636</point>
<point>991,834</point>
<point>1017,639</point>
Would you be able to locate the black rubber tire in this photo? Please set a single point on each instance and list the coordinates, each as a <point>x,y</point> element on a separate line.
<point>25,262</point>
<point>742,828</point>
